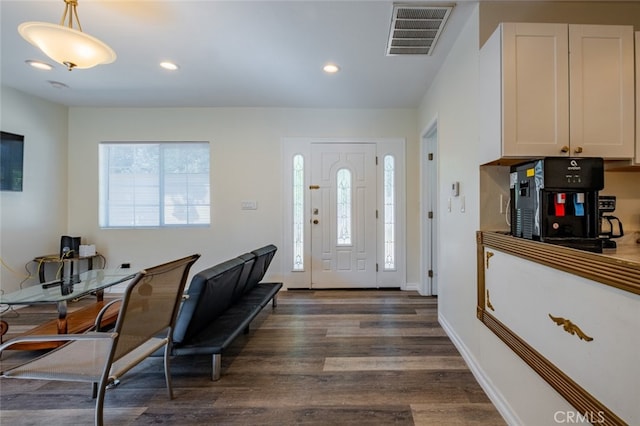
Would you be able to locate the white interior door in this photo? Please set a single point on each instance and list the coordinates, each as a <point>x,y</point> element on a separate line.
<point>343,215</point>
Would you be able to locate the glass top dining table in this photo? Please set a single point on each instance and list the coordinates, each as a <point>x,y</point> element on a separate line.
<point>61,291</point>
<point>92,281</point>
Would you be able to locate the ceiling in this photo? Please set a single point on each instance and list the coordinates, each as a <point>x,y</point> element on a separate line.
<point>231,54</point>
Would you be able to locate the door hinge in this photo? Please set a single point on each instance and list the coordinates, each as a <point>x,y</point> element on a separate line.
<point>376,160</point>
<point>431,156</point>
<point>430,273</point>
<point>430,215</point>
<point>376,267</point>
<point>376,213</point>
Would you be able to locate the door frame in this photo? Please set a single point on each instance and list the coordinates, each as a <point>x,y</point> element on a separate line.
<point>429,229</point>
<point>384,146</point>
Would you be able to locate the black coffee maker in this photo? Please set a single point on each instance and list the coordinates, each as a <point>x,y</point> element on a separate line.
<point>610,226</point>
<point>555,200</point>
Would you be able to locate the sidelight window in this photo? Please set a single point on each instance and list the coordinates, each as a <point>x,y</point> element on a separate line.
<point>389,213</point>
<point>298,212</point>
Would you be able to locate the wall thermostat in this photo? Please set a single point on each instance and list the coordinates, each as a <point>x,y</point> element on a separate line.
<point>455,189</point>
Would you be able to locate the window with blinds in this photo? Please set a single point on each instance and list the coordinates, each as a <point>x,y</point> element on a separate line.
<point>154,184</point>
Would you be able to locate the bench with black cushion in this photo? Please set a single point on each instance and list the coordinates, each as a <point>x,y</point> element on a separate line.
<point>221,303</point>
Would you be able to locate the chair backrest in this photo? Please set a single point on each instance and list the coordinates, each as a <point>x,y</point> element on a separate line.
<point>264,255</point>
<point>210,293</point>
<point>150,303</point>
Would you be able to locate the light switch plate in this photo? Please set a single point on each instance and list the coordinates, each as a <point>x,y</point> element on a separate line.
<point>249,205</point>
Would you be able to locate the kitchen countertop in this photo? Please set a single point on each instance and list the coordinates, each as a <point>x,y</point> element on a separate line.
<point>619,268</point>
<point>627,248</point>
<point>625,252</point>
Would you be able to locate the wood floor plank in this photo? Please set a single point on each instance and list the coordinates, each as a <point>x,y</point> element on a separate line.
<point>455,414</point>
<point>402,363</point>
<point>380,332</point>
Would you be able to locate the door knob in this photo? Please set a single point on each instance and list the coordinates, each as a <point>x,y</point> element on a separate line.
<point>316,221</point>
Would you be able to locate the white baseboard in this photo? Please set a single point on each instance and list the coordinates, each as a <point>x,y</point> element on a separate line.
<point>485,382</point>
<point>411,287</point>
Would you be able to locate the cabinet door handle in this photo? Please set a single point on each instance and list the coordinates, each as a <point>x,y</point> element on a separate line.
<point>564,149</point>
<point>578,150</point>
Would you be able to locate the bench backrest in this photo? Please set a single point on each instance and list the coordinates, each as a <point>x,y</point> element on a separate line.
<point>210,293</point>
<point>249,259</point>
<point>264,255</point>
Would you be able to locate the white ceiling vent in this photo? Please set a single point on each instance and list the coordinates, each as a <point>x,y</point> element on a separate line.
<point>415,28</point>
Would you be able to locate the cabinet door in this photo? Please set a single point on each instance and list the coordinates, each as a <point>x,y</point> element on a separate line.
<point>535,92</point>
<point>602,91</point>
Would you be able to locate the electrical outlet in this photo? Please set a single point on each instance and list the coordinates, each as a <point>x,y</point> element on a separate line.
<point>125,266</point>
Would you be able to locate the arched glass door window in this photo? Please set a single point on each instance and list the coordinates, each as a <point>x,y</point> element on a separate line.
<point>389,213</point>
<point>298,212</point>
<point>343,206</point>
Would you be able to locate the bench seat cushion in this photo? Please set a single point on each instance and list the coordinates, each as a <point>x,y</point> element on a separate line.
<point>214,338</point>
<point>220,333</point>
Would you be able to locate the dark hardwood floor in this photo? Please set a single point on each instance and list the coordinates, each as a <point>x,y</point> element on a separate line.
<point>320,358</point>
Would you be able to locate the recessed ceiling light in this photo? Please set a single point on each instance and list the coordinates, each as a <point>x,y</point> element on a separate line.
<point>169,66</point>
<point>331,68</point>
<point>57,84</point>
<point>39,65</point>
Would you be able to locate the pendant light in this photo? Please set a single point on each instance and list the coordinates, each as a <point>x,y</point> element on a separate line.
<point>65,44</point>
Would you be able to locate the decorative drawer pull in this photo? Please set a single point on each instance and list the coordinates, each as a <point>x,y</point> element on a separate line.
<point>570,327</point>
<point>489,256</point>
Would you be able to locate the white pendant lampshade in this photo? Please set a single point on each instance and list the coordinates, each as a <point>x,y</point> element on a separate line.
<point>66,45</point>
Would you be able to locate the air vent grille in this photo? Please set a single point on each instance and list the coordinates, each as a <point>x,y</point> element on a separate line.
<point>415,29</point>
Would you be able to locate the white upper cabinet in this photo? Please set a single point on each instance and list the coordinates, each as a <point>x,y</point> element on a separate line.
<point>557,89</point>
<point>535,89</point>
<point>601,91</point>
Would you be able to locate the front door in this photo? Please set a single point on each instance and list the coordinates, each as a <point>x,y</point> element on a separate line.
<point>343,215</point>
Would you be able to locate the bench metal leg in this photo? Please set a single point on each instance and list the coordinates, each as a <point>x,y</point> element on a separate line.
<point>274,301</point>
<point>216,366</point>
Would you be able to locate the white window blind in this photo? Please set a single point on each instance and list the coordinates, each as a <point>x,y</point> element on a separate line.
<point>154,184</point>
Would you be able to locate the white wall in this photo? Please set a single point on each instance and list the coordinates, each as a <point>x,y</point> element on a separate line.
<point>520,394</point>
<point>625,186</point>
<point>245,165</point>
<point>32,221</point>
